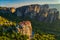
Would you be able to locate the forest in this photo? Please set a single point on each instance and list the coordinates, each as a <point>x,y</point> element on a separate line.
<point>41,30</point>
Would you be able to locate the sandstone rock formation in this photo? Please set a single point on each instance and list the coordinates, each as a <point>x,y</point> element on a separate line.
<point>25,28</point>
<point>12,9</point>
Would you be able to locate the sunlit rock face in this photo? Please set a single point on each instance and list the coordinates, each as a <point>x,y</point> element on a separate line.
<point>39,12</point>
<point>35,8</point>
<point>12,9</point>
<point>25,28</point>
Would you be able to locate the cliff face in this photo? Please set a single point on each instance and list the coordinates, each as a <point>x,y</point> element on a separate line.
<point>40,12</point>
<point>25,28</point>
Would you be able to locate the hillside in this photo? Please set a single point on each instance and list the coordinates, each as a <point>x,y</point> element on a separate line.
<point>6,22</point>
<point>45,26</point>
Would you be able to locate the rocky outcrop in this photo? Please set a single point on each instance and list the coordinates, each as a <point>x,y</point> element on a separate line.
<point>12,9</point>
<point>38,12</point>
<point>25,28</point>
<point>53,15</point>
<point>35,11</point>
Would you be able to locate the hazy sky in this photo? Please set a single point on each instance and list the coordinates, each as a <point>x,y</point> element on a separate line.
<point>17,3</point>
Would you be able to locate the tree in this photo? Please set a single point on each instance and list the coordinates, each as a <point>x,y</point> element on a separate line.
<point>43,37</point>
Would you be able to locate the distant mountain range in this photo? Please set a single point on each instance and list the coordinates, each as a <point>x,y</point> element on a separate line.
<point>35,11</point>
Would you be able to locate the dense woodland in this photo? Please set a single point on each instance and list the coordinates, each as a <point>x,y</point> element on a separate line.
<point>41,30</point>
